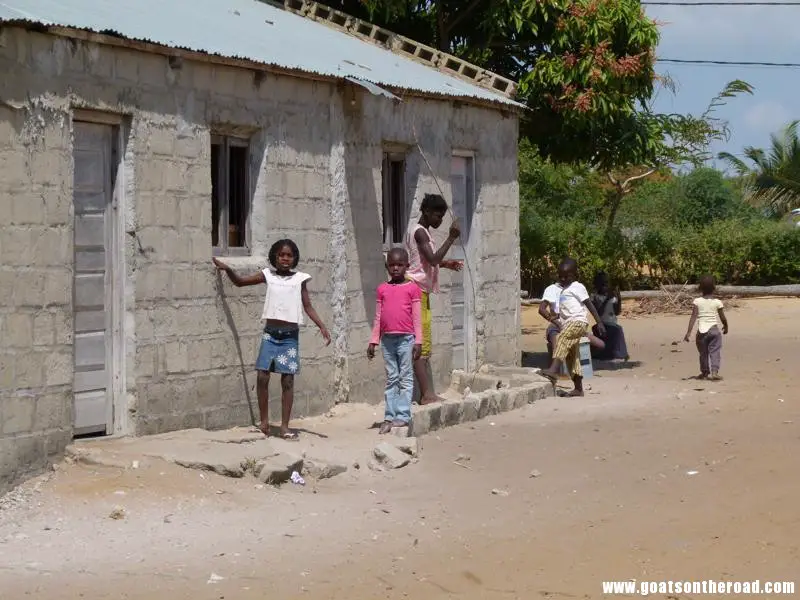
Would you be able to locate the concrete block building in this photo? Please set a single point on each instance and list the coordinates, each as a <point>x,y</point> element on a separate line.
<point>139,139</point>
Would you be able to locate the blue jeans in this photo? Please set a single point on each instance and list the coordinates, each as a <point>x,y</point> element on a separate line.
<point>398,358</point>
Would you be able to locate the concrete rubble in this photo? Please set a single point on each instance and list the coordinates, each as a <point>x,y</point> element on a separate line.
<point>389,456</point>
<point>328,444</point>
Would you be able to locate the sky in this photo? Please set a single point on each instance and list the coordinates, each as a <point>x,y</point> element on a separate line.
<point>732,33</point>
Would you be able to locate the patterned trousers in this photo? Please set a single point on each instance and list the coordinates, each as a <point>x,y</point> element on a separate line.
<point>568,346</point>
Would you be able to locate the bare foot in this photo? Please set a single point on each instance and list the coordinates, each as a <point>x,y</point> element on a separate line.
<point>385,428</point>
<point>432,399</point>
<point>398,423</point>
<point>575,394</point>
<point>264,428</point>
<point>715,377</point>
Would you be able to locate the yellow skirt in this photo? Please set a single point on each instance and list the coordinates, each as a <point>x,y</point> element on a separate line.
<point>426,325</point>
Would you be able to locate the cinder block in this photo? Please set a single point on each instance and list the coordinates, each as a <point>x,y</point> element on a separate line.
<point>17,244</point>
<point>145,360</point>
<point>6,371</point>
<point>188,147</point>
<point>59,369</point>
<point>483,405</point>
<point>295,184</point>
<point>27,209</point>
<point>52,411</point>
<point>18,413</point>
<point>155,283</point>
<point>176,357</point>
<point>420,422</point>
<point>315,185</point>
<point>58,205</point>
<point>43,329</point>
<point>55,442</point>
<point>18,330</point>
<point>58,287</point>
<point>175,180</point>
<point>157,399</point>
<point>182,283</point>
<point>53,247</point>
<point>206,391</point>
<point>228,416</point>
<point>29,370</point>
<point>200,246</point>
<point>7,284</point>
<point>451,413</point>
<point>200,353</point>
<point>469,409</point>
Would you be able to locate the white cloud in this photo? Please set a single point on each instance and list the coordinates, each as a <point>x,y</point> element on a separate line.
<point>767,117</point>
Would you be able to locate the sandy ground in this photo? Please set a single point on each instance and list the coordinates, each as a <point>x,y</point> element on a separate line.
<point>612,500</point>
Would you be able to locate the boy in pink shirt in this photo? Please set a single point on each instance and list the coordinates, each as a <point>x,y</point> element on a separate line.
<point>398,329</point>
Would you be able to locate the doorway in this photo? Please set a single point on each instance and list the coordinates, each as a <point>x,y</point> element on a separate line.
<point>462,182</point>
<point>95,157</point>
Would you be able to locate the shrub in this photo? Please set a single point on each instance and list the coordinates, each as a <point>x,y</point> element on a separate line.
<point>736,252</point>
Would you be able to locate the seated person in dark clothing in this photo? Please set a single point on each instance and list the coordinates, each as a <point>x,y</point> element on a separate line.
<point>609,305</point>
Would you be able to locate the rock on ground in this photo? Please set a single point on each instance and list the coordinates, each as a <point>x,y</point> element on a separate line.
<point>408,445</point>
<point>277,469</point>
<point>387,455</point>
<point>321,470</point>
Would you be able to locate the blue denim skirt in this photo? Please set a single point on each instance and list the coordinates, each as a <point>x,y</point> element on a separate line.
<point>280,351</point>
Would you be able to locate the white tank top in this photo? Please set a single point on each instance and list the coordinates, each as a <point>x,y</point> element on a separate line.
<point>284,299</point>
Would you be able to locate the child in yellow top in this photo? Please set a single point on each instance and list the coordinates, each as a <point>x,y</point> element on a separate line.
<point>708,312</point>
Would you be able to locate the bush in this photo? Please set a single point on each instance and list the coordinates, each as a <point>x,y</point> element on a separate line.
<point>736,252</point>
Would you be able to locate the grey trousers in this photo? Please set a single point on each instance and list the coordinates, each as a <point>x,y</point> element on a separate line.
<point>709,345</point>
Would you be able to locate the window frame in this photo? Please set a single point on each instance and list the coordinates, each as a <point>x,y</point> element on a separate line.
<point>389,203</point>
<point>226,142</point>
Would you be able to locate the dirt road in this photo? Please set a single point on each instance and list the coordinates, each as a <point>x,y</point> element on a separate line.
<point>650,477</point>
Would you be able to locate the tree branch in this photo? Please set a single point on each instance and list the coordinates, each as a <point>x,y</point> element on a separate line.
<point>630,180</point>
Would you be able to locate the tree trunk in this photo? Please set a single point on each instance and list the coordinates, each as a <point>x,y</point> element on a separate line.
<point>722,290</point>
<point>443,28</point>
<point>615,203</point>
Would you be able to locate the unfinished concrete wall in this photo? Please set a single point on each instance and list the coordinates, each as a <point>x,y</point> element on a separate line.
<point>190,338</point>
<point>492,252</point>
<point>35,287</point>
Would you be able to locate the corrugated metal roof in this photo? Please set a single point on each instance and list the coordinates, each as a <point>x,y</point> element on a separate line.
<point>246,29</point>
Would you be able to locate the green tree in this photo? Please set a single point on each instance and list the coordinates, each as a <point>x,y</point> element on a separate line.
<point>585,67</point>
<point>773,180</point>
<point>673,140</point>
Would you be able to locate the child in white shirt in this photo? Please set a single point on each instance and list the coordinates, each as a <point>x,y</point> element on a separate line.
<point>286,299</point>
<point>707,312</point>
<point>574,306</point>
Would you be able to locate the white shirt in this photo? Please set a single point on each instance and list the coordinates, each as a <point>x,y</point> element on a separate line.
<point>571,305</point>
<point>552,295</point>
<point>707,312</point>
<point>284,300</point>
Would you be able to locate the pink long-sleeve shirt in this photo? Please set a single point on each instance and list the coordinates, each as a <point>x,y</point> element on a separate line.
<point>398,310</point>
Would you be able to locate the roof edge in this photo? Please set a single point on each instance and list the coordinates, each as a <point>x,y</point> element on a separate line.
<point>120,41</point>
<point>402,46</point>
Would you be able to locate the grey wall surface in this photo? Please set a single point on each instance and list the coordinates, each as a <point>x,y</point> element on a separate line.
<point>190,338</point>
